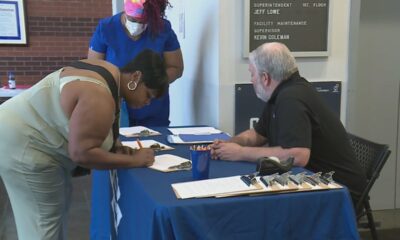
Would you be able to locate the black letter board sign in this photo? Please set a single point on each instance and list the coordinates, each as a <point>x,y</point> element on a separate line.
<point>248,107</point>
<point>300,24</point>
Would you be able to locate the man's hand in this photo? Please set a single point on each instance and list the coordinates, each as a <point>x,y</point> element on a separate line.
<point>226,151</point>
<point>213,146</point>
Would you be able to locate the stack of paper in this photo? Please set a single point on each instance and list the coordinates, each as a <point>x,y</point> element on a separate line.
<point>234,186</point>
<point>138,131</point>
<point>212,187</point>
<point>195,135</point>
<point>147,144</point>
<point>194,130</point>
<point>166,163</point>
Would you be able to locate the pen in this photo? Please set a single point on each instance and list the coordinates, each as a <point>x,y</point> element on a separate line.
<point>139,143</point>
<point>246,180</point>
<point>282,181</point>
<point>295,180</point>
<point>252,178</point>
<point>324,181</point>
<point>264,181</point>
<point>310,181</point>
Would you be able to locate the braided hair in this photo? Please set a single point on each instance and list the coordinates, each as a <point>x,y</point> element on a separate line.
<point>154,13</point>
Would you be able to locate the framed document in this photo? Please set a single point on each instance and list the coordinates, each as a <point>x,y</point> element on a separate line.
<point>302,25</point>
<point>12,22</point>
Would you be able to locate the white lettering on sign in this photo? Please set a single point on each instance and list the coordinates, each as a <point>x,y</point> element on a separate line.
<point>262,5</point>
<point>260,37</point>
<point>292,23</point>
<point>266,5</point>
<point>319,5</point>
<point>259,11</point>
<point>267,30</point>
<point>278,37</point>
<point>273,11</point>
<point>253,121</point>
<point>283,5</point>
<point>265,23</point>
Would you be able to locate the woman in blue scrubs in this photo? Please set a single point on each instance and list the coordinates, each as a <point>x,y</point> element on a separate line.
<point>118,39</point>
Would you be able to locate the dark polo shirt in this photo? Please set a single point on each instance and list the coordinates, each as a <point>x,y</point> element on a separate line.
<point>297,116</point>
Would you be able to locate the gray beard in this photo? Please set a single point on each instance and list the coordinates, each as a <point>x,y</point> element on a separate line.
<point>261,94</point>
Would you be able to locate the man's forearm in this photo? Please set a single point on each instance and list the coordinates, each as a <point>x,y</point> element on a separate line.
<point>249,138</point>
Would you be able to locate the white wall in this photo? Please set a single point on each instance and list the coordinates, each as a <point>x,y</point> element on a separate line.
<point>233,68</point>
<point>194,97</point>
<point>117,6</point>
<point>373,109</point>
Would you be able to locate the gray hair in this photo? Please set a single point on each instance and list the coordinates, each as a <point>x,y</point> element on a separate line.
<point>275,59</point>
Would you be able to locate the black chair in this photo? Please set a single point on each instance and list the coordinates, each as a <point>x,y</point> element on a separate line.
<point>372,157</point>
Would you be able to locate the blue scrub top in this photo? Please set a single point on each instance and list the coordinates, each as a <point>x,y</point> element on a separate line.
<point>111,39</point>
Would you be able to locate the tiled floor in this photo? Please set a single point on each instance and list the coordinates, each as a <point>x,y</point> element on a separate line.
<point>389,225</point>
<point>79,215</point>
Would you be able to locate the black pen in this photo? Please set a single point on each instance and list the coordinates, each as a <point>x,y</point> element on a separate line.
<point>253,180</point>
<point>327,177</point>
<point>280,180</point>
<point>294,179</point>
<point>310,181</point>
<point>246,180</point>
<point>324,181</point>
<point>264,181</point>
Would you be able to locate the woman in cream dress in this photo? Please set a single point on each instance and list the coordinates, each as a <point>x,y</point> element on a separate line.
<point>65,121</point>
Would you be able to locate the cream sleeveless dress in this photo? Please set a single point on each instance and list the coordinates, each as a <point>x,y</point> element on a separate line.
<point>34,163</point>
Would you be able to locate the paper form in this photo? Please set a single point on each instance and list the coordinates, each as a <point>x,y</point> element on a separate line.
<point>194,130</point>
<point>147,144</point>
<point>211,187</point>
<point>137,131</point>
<point>163,162</point>
<point>234,186</point>
<point>196,138</point>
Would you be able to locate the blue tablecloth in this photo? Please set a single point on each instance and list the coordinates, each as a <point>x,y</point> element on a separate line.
<point>150,209</point>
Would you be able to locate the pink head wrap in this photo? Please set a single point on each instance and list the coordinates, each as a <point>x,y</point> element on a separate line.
<point>134,8</point>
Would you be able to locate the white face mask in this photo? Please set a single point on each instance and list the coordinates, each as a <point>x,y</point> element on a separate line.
<point>135,28</point>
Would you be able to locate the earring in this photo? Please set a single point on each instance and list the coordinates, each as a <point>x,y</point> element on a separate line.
<point>132,88</point>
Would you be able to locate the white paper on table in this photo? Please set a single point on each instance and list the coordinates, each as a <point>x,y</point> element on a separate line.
<point>211,187</point>
<point>136,131</point>
<point>194,130</point>
<point>164,161</point>
<point>146,144</point>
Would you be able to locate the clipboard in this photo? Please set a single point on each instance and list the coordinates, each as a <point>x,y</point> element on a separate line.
<point>166,163</point>
<point>138,131</point>
<point>234,186</point>
<point>197,138</point>
<point>147,144</point>
<point>212,187</point>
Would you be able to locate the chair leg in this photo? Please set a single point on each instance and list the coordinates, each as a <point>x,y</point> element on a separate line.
<point>371,222</point>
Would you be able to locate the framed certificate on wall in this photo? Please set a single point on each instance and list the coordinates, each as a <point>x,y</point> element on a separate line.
<point>302,25</point>
<point>12,22</point>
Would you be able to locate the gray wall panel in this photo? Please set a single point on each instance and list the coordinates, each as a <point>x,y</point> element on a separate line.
<point>373,102</point>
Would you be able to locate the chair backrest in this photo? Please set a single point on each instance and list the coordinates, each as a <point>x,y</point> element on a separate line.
<point>372,157</point>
